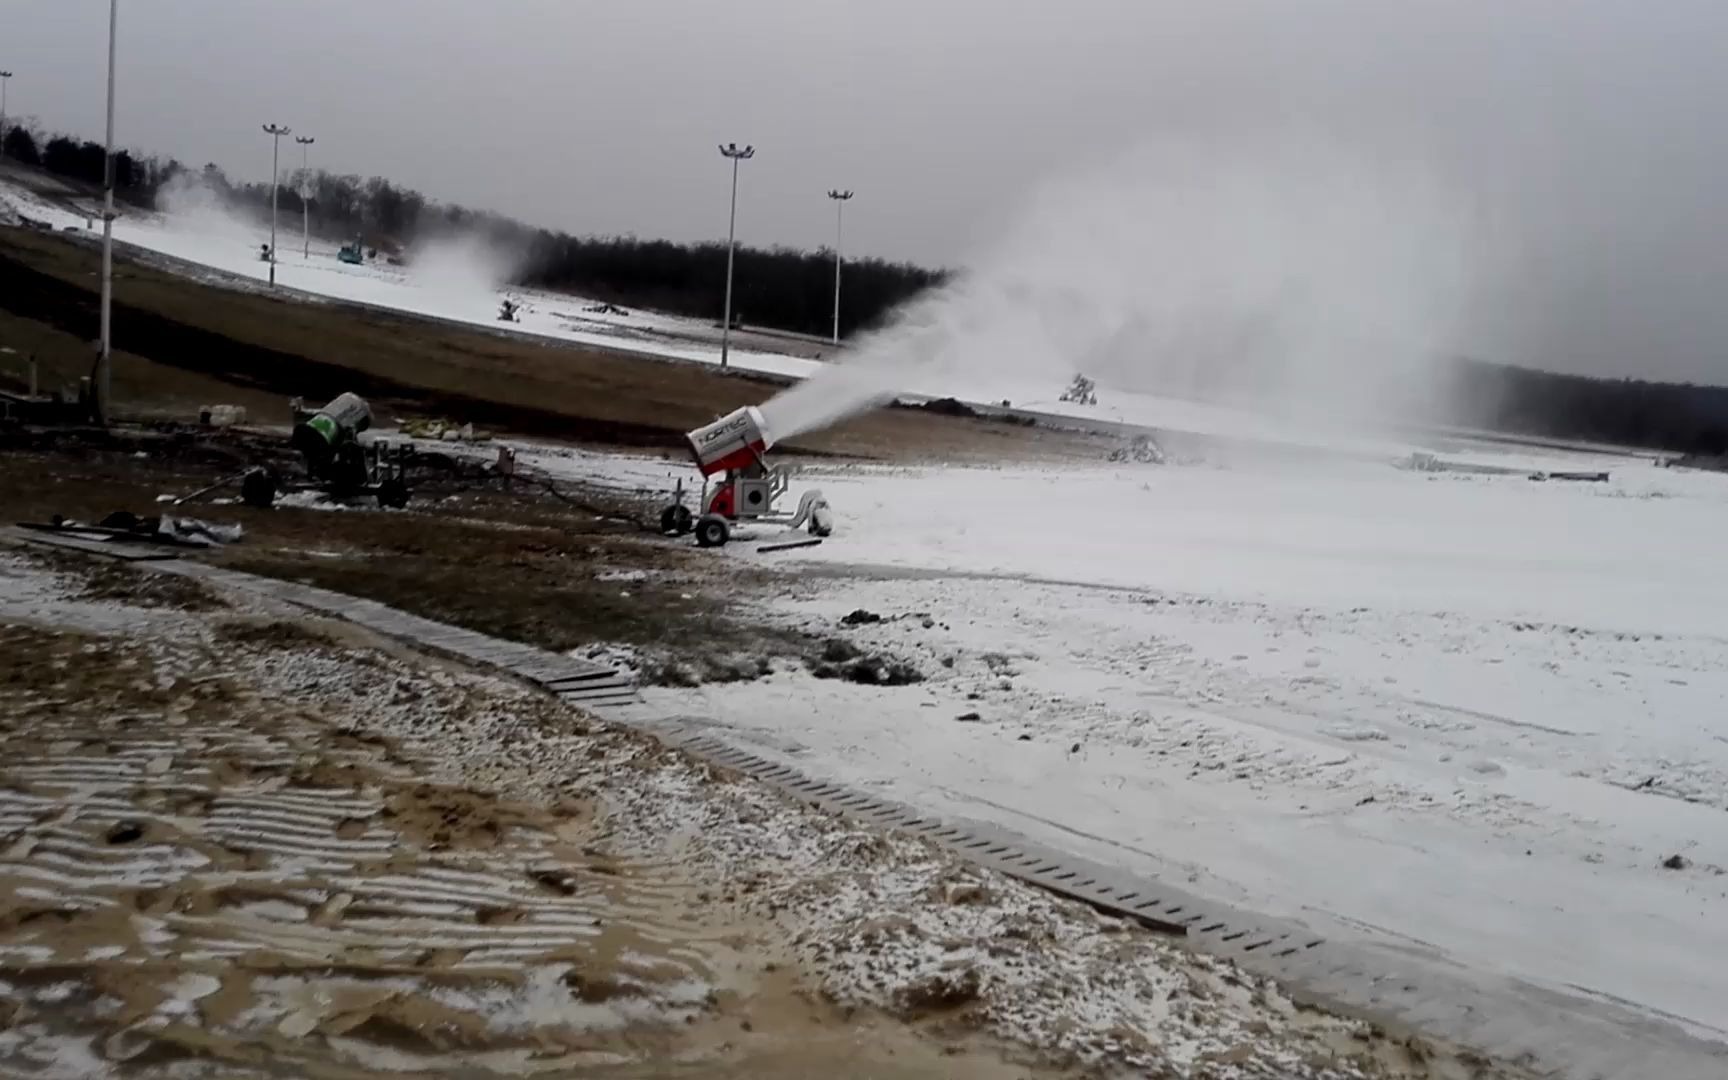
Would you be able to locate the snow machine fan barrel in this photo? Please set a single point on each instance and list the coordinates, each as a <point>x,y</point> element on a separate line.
<point>320,435</point>
<point>731,442</point>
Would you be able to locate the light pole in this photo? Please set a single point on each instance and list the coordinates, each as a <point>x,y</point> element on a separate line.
<point>275,131</point>
<point>105,357</point>
<point>5,77</point>
<point>305,184</point>
<point>731,150</point>
<point>839,198</point>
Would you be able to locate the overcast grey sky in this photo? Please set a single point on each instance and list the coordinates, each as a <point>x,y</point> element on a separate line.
<point>1583,136</point>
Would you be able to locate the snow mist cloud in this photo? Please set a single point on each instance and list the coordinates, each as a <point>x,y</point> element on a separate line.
<point>463,272</point>
<point>1290,276</point>
<point>194,206</point>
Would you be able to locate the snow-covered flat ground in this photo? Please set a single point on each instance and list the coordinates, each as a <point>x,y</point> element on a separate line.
<point>1470,716</point>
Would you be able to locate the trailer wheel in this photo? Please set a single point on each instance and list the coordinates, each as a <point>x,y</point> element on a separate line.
<point>675,520</point>
<point>393,493</point>
<point>258,489</point>
<point>712,531</point>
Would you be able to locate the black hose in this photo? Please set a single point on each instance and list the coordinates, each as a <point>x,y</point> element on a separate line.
<point>598,511</point>
<point>455,482</point>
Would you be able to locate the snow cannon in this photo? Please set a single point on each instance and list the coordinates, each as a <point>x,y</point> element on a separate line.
<point>735,441</point>
<point>732,449</point>
<point>320,436</point>
<point>337,462</point>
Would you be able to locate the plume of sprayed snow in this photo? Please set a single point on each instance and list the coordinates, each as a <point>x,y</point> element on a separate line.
<point>834,394</point>
<point>1288,276</point>
<point>194,206</point>
<point>464,273</point>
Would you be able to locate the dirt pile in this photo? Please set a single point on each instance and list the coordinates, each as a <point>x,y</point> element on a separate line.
<point>840,659</point>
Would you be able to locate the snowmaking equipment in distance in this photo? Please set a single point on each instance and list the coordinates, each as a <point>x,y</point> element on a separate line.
<point>733,449</point>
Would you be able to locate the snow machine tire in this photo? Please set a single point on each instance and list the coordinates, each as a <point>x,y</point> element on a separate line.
<point>393,494</point>
<point>712,531</point>
<point>675,520</point>
<point>258,489</point>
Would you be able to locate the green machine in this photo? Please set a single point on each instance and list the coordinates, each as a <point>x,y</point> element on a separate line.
<point>337,462</point>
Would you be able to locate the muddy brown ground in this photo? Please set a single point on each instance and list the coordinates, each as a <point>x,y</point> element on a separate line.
<point>519,564</point>
<point>314,905</point>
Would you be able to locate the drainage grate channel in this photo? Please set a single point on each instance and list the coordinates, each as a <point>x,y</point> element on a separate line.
<point>1048,871</point>
<point>1568,1035</point>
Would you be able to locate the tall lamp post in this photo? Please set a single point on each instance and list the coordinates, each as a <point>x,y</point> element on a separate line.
<point>839,198</point>
<point>5,77</point>
<point>305,185</point>
<point>105,353</point>
<point>731,150</point>
<point>275,131</point>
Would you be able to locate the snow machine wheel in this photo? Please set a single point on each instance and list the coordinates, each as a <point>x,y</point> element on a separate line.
<point>258,489</point>
<point>712,531</point>
<point>675,520</point>
<point>393,493</point>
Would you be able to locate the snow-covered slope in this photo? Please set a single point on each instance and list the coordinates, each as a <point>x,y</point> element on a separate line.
<point>207,236</point>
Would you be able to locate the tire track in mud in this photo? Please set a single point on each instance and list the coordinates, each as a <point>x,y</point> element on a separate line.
<point>180,852</point>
